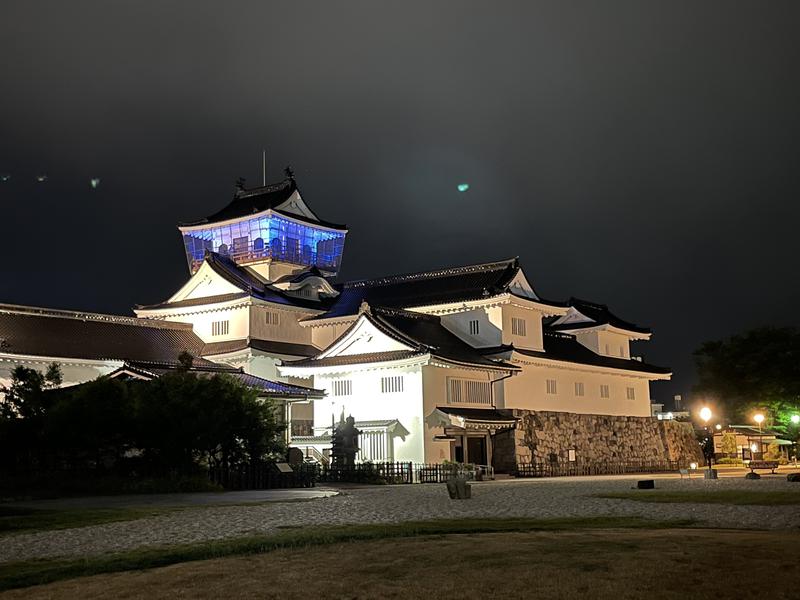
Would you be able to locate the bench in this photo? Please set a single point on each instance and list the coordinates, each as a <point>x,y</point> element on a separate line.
<point>763,464</point>
<point>684,472</point>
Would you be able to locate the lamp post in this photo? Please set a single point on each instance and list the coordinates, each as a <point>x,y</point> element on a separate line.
<point>795,419</point>
<point>708,450</point>
<point>759,418</point>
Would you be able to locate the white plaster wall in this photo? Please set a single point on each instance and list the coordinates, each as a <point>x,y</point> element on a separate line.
<point>490,326</point>
<point>435,387</point>
<point>528,390</point>
<point>287,330</point>
<point>201,323</point>
<point>607,343</point>
<point>72,372</point>
<point>367,403</point>
<point>323,336</point>
<point>532,340</point>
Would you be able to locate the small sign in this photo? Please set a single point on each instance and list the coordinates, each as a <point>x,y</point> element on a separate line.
<point>284,468</point>
<point>571,455</point>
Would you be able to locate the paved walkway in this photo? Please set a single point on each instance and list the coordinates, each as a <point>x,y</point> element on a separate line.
<point>534,498</point>
<point>169,500</point>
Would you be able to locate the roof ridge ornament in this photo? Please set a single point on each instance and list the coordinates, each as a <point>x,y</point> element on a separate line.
<point>364,308</point>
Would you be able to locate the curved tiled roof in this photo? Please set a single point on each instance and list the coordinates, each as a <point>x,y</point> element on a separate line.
<point>255,200</point>
<point>93,336</point>
<point>441,286</point>
<point>599,315</point>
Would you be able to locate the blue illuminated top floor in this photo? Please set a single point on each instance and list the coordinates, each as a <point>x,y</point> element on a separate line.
<point>266,223</point>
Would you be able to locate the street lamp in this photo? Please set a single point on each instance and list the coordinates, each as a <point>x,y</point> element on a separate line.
<point>708,450</point>
<point>759,418</point>
<point>795,419</point>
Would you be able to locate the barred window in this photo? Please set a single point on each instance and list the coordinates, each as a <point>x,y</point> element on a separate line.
<point>604,391</point>
<point>474,327</point>
<point>272,318</point>
<point>552,388</point>
<point>468,391</point>
<point>579,391</point>
<point>391,385</point>
<point>517,326</point>
<point>220,327</point>
<point>342,387</point>
<point>630,393</point>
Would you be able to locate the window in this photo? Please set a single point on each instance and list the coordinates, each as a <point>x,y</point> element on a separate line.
<point>517,326</point>
<point>630,393</point>
<point>272,318</point>
<point>460,391</point>
<point>220,327</point>
<point>579,388</point>
<point>551,386</point>
<point>342,387</point>
<point>604,391</point>
<point>474,327</point>
<point>391,385</point>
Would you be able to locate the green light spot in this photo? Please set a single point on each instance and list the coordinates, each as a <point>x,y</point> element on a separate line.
<point>463,187</point>
<point>95,182</point>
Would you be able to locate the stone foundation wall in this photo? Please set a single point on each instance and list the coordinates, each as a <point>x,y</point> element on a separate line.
<point>597,439</point>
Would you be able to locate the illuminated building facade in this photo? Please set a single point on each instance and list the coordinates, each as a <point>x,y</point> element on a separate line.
<point>431,365</point>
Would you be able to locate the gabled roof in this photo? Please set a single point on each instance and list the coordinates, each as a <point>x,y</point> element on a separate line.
<point>264,386</point>
<point>248,202</point>
<point>45,332</point>
<point>455,284</point>
<point>564,347</point>
<point>246,280</point>
<point>420,334</point>
<point>595,314</point>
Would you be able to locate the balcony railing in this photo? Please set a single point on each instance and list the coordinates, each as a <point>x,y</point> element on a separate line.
<point>252,252</point>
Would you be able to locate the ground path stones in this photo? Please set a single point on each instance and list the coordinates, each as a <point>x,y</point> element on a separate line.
<point>540,498</point>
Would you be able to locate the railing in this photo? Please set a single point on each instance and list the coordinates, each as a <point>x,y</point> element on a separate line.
<point>404,472</point>
<point>440,473</point>
<point>576,468</point>
<point>313,453</point>
<point>263,477</point>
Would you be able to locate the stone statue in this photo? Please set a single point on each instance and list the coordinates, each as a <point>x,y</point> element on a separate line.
<point>344,444</point>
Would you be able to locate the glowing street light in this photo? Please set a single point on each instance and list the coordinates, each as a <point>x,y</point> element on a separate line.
<point>708,449</point>
<point>795,419</point>
<point>758,418</point>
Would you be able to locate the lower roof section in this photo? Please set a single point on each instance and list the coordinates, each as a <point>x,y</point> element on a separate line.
<point>268,346</point>
<point>31,331</point>
<point>266,387</point>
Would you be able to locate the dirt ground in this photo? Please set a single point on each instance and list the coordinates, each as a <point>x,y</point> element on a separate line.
<point>619,564</point>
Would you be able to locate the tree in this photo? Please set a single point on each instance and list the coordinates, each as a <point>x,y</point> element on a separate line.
<point>24,398</point>
<point>759,369</point>
<point>728,443</point>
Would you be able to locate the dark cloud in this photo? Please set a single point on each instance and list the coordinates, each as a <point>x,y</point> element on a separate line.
<point>640,154</point>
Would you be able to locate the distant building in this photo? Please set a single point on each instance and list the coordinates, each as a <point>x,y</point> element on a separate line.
<point>429,364</point>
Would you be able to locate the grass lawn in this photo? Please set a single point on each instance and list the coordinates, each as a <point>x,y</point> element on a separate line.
<point>19,519</point>
<point>580,563</point>
<point>32,572</point>
<point>744,497</point>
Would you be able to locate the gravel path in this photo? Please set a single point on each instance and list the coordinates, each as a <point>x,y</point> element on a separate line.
<point>541,498</point>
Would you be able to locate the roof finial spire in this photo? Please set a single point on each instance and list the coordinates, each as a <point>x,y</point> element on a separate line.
<point>289,172</point>
<point>264,167</point>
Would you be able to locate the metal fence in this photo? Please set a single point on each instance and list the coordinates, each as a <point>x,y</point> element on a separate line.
<point>404,472</point>
<point>574,468</point>
<point>264,477</point>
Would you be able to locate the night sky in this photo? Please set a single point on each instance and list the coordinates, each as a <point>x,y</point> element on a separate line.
<point>641,154</point>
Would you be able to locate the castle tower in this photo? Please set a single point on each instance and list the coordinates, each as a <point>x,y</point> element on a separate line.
<point>269,229</point>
